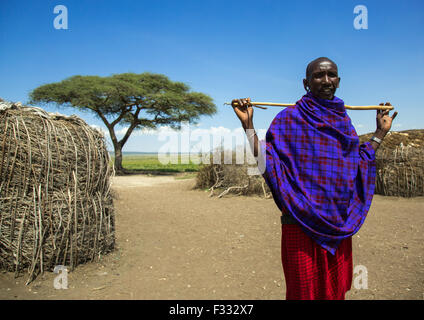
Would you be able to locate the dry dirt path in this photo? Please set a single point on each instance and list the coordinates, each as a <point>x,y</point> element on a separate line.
<point>177,243</point>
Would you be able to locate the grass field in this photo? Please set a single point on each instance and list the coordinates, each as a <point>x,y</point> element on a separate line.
<point>150,162</point>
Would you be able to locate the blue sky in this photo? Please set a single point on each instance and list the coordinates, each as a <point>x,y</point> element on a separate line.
<point>226,49</point>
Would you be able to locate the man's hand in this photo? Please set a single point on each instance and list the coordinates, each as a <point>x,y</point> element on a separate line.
<point>244,112</point>
<point>384,121</point>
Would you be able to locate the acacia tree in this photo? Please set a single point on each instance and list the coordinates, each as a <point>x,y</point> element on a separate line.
<point>138,101</point>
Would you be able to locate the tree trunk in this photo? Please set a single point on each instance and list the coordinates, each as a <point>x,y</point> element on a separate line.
<point>117,145</point>
<point>119,170</point>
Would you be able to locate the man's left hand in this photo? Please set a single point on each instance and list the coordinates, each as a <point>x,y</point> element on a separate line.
<point>384,120</point>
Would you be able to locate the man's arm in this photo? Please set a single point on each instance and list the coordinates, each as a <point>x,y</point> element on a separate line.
<point>244,112</point>
<point>253,139</point>
<point>380,135</point>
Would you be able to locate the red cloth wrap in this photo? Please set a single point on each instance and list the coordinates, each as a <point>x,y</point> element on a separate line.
<point>311,272</point>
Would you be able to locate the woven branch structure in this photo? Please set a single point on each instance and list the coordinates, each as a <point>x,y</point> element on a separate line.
<point>400,172</point>
<point>56,207</point>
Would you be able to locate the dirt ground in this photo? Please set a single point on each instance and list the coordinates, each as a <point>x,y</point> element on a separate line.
<point>174,242</point>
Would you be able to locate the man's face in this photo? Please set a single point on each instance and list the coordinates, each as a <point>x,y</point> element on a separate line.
<point>323,80</point>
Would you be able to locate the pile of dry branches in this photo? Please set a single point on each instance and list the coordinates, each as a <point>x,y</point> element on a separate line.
<point>55,202</point>
<point>231,178</point>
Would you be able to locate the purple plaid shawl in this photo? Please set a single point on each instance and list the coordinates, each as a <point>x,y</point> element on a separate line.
<point>318,172</point>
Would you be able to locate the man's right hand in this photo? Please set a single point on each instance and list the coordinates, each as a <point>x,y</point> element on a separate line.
<point>244,112</point>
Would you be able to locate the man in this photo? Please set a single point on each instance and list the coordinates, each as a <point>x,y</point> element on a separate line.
<point>321,179</point>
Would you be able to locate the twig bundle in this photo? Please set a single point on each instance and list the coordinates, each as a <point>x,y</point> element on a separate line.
<point>55,202</point>
<point>230,178</point>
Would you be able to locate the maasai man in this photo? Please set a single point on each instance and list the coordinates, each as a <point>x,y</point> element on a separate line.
<point>321,179</point>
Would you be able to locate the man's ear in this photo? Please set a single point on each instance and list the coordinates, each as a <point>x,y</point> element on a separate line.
<point>338,82</point>
<point>305,84</point>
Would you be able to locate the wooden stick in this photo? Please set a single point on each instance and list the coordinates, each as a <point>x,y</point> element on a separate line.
<point>272,104</point>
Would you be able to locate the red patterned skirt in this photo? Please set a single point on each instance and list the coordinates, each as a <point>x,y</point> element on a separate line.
<point>312,273</point>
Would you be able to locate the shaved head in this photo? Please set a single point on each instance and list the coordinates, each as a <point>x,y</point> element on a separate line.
<point>315,62</point>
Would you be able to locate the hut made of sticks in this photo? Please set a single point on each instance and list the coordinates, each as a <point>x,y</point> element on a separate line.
<point>56,207</point>
<point>400,164</point>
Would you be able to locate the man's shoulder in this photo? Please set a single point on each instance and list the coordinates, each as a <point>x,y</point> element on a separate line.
<point>286,113</point>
